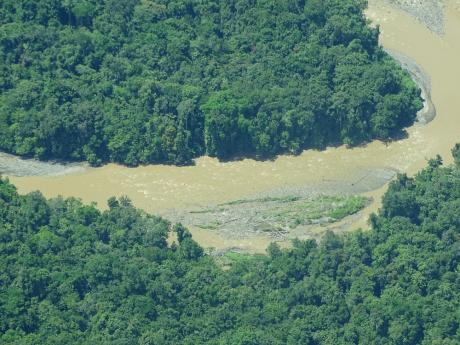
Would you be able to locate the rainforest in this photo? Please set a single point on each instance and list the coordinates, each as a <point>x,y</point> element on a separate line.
<point>139,82</point>
<point>240,172</point>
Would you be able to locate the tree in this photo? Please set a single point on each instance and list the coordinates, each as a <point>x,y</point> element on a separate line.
<point>456,154</point>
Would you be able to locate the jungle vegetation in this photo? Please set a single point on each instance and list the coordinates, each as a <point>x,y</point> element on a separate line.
<point>148,81</point>
<point>72,274</point>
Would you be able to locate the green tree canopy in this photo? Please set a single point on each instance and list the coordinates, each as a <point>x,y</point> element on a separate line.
<point>144,81</point>
<point>71,274</point>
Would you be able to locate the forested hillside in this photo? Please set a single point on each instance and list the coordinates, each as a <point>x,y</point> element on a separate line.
<point>71,274</point>
<point>143,81</point>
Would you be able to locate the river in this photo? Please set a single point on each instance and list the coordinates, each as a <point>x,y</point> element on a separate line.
<point>163,189</point>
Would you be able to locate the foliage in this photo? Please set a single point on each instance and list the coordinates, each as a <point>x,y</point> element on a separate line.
<point>316,210</point>
<point>349,206</point>
<point>74,275</point>
<point>144,81</point>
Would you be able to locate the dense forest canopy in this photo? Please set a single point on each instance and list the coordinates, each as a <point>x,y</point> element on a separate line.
<point>143,81</point>
<point>71,274</point>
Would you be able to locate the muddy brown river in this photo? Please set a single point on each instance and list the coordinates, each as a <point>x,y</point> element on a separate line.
<point>160,188</point>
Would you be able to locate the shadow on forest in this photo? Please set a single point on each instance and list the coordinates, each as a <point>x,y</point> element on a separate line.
<point>396,136</point>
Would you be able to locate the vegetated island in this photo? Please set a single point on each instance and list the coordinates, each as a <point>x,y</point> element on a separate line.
<point>72,274</point>
<point>139,82</point>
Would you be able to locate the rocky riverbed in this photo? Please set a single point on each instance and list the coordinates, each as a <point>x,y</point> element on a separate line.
<point>429,12</point>
<point>279,213</point>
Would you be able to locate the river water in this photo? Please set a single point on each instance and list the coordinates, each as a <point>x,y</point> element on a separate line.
<point>160,188</point>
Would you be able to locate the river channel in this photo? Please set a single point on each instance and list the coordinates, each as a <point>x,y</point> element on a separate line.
<point>163,189</point>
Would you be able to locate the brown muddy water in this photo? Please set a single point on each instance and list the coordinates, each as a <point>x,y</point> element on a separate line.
<point>160,189</point>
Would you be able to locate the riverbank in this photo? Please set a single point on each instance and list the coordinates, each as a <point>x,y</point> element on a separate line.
<point>11,165</point>
<point>16,166</point>
<point>423,81</point>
